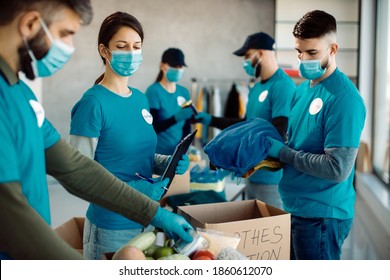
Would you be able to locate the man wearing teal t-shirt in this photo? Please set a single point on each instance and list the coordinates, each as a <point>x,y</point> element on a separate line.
<point>269,99</point>
<point>36,37</point>
<point>325,125</point>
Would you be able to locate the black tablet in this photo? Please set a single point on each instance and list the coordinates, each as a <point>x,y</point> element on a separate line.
<point>180,150</point>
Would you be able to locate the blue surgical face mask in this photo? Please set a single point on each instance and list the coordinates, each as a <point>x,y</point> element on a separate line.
<point>249,68</point>
<point>125,63</point>
<point>312,69</point>
<point>174,74</point>
<point>58,55</point>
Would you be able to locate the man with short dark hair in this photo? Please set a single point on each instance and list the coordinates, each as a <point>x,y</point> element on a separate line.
<point>36,37</point>
<point>325,125</point>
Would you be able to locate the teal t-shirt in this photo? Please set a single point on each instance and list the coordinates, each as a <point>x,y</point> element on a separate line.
<point>126,141</point>
<point>269,100</point>
<point>328,115</point>
<point>25,133</point>
<point>167,104</point>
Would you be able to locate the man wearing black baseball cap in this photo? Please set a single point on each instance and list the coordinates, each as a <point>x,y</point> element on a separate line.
<point>257,41</point>
<point>270,99</point>
<point>255,46</point>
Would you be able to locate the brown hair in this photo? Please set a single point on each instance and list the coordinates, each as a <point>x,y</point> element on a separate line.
<point>48,8</point>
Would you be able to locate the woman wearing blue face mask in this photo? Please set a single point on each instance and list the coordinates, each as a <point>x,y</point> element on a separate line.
<point>112,124</point>
<point>171,121</point>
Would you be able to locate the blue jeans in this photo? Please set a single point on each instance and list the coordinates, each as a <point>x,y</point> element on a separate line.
<point>318,238</point>
<point>97,241</point>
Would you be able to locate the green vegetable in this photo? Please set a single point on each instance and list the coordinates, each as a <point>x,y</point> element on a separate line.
<point>163,252</point>
<point>142,241</point>
<point>149,252</point>
<point>175,257</point>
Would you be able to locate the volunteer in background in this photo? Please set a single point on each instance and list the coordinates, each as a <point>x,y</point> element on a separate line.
<point>36,37</point>
<point>270,99</point>
<point>326,121</point>
<point>171,122</point>
<point>112,124</point>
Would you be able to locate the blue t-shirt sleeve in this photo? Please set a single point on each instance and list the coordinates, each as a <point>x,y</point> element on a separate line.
<point>345,122</point>
<point>86,117</point>
<point>153,98</point>
<point>50,134</point>
<point>282,96</point>
<point>9,170</point>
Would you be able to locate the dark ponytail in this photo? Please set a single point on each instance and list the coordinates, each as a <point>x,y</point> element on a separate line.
<point>98,80</point>
<point>110,27</point>
<point>159,76</point>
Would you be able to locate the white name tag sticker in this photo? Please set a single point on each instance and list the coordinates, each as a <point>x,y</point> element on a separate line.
<point>316,106</point>
<point>147,116</point>
<point>39,112</point>
<point>181,100</point>
<point>263,96</point>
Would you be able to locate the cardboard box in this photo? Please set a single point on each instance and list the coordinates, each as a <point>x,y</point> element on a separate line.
<point>264,230</point>
<point>72,232</point>
<point>180,184</point>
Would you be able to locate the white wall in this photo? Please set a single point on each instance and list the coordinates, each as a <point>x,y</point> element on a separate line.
<point>207,32</point>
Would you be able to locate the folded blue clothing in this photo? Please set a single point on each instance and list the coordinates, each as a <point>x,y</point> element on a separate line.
<point>241,146</point>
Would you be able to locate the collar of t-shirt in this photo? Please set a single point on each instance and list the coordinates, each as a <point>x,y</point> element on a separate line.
<point>7,72</point>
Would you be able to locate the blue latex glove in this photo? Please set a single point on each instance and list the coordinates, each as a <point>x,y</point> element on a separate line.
<point>183,164</point>
<point>203,118</point>
<point>184,114</point>
<point>276,146</point>
<point>153,190</point>
<point>172,224</point>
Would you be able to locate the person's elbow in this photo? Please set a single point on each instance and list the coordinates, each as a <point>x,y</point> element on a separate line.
<point>340,174</point>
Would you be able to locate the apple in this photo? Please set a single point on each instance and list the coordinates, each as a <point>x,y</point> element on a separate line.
<point>203,255</point>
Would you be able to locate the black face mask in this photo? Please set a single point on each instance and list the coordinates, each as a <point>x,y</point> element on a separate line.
<point>38,46</point>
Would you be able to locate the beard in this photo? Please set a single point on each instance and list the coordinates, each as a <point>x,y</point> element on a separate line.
<point>258,67</point>
<point>38,47</point>
<point>325,65</point>
<point>258,70</point>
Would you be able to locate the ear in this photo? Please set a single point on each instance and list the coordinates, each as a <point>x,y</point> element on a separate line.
<point>103,51</point>
<point>163,66</point>
<point>334,47</point>
<point>260,53</point>
<point>30,24</point>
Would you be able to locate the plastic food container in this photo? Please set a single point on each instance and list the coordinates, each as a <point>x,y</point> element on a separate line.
<point>198,243</point>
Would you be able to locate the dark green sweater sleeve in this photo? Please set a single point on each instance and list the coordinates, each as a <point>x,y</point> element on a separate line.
<point>87,179</point>
<point>24,235</point>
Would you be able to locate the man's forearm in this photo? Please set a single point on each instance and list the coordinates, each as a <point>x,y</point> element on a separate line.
<point>335,165</point>
<point>88,180</point>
